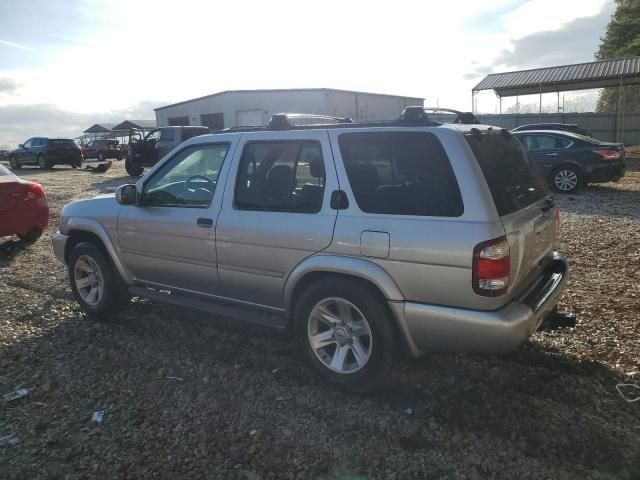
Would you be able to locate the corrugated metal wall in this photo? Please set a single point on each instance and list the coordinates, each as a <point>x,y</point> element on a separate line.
<point>602,125</point>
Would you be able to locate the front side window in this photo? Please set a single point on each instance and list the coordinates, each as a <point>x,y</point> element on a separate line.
<point>154,135</point>
<point>400,173</point>
<point>281,176</point>
<point>167,135</point>
<point>189,179</point>
<point>28,143</point>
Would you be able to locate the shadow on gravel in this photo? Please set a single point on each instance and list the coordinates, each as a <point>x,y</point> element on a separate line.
<point>173,382</point>
<point>10,247</point>
<point>602,200</point>
<point>109,185</point>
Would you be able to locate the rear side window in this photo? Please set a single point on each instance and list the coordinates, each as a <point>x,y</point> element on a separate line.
<point>281,176</point>
<point>61,143</point>
<point>188,133</point>
<point>400,173</point>
<point>167,135</point>
<point>514,183</point>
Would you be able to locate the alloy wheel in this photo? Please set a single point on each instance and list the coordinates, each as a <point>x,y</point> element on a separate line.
<point>88,280</point>
<point>566,180</point>
<point>339,335</point>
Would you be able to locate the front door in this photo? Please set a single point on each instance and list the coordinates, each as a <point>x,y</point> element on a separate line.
<point>276,212</point>
<point>168,240</point>
<point>23,155</point>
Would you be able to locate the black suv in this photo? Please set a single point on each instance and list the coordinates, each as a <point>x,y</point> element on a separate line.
<point>46,152</point>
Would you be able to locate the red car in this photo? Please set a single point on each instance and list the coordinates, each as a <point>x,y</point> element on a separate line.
<point>23,207</point>
<point>102,148</point>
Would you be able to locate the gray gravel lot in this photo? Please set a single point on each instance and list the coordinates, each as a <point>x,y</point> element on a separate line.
<point>244,406</point>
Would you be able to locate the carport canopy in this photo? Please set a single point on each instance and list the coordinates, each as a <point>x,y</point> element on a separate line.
<point>129,124</point>
<point>580,76</point>
<point>100,128</point>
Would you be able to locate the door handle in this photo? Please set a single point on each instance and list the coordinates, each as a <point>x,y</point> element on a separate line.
<point>205,222</point>
<point>551,154</point>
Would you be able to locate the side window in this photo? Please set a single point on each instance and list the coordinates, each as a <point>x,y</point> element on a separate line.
<point>282,176</point>
<point>154,135</point>
<point>28,143</point>
<point>167,135</point>
<point>400,173</point>
<point>547,142</point>
<point>189,179</point>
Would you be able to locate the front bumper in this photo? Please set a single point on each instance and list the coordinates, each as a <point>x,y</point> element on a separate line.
<point>437,328</point>
<point>59,242</point>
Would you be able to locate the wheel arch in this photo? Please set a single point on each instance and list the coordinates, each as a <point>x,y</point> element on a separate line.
<point>97,235</point>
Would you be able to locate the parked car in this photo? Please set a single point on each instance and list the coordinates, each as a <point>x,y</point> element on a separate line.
<point>145,150</point>
<point>569,161</point>
<point>368,241</point>
<point>565,127</point>
<point>23,207</point>
<point>102,149</point>
<point>46,152</point>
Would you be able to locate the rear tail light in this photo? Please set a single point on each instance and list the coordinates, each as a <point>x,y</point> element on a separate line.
<point>557,223</point>
<point>491,265</point>
<point>608,154</point>
<point>32,191</point>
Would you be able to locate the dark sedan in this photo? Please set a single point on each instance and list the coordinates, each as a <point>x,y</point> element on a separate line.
<point>570,161</point>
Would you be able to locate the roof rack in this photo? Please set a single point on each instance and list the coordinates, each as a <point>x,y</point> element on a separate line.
<point>466,118</point>
<point>284,120</point>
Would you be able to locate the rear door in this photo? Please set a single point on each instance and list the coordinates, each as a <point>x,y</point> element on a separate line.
<point>523,203</point>
<point>276,212</point>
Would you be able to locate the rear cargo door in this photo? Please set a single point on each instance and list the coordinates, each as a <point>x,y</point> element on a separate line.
<point>522,200</point>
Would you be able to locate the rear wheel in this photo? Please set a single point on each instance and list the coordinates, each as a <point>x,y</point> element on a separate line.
<point>566,179</point>
<point>42,162</point>
<point>132,168</point>
<point>32,235</point>
<point>94,282</point>
<point>13,163</point>
<point>344,330</point>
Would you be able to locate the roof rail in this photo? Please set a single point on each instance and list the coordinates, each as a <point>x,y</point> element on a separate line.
<point>466,118</point>
<point>284,120</point>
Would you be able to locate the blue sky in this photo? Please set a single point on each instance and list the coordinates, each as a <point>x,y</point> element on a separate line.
<point>64,65</point>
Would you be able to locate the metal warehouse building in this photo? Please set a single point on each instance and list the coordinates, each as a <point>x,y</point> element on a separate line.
<point>255,107</point>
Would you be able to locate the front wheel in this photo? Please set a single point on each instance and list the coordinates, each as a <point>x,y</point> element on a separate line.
<point>567,179</point>
<point>94,282</point>
<point>132,168</point>
<point>42,162</point>
<point>344,329</point>
<point>31,236</point>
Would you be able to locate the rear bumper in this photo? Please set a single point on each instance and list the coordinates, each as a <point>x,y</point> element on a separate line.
<point>607,173</point>
<point>59,242</point>
<point>25,219</point>
<point>438,328</point>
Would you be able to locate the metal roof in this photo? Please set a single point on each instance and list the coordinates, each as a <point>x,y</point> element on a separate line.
<point>285,90</point>
<point>580,76</point>
<point>100,128</point>
<point>129,124</point>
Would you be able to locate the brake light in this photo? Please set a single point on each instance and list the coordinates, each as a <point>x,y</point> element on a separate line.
<point>608,154</point>
<point>32,191</point>
<point>491,265</point>
<point>557,223</point>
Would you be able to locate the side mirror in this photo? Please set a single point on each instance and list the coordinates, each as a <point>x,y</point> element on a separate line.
<point>21,146</point>
<point>127,194</point>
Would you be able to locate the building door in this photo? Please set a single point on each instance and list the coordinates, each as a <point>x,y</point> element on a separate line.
<point>178,121</point>
<point>215,121</point>
<point>249,117</point>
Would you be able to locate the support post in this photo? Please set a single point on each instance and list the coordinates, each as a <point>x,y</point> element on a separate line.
<point>540,105</point>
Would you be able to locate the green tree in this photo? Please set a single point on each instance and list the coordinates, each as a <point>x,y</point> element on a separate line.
<point>622,39</point>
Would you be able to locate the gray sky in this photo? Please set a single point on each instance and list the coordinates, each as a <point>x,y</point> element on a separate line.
<point>67,65</point>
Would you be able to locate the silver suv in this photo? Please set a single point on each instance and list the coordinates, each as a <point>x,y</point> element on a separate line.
<point>366,240</point>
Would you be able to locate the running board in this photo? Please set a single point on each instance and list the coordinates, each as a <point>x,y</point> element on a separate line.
<point>247,314</point>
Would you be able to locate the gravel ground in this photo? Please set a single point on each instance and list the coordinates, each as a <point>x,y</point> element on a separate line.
<point>243,406</point>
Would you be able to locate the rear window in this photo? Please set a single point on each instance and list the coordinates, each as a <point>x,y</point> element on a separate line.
<point>514,183</point>
<point>62,143</point>
<point>400,173</point>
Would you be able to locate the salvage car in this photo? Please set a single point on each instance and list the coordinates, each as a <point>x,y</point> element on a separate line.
<point>146,150</point>
<point>46,152</point>
<point>23,207</point>
<point>570,161</point>
<point>368,241</point>
<point>102,149</point>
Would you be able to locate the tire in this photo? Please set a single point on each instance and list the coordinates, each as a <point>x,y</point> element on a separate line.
<point>32,235</point>
<point>132,169</point>
<point>42,162</point>
<point>89,265</point>
<point>77,164</point>
<point>377,345</point>
<point>100,157</point>
<point>566,179</point>
<point>13,163</point>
